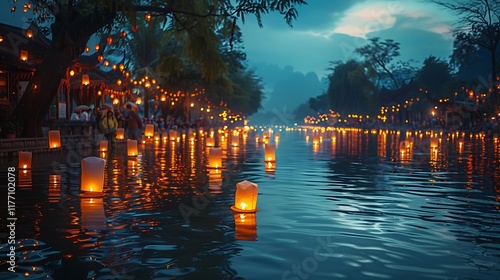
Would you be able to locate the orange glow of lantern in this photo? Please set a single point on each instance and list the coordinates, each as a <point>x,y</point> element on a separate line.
<point>24,55</point>
<point>96,48</point>
<point>147,17</point>
<point>87,49</point>
<point>92,178</point>
<point>120,133</point>
<point>85,80</point>
<point>93,216</point>
<point>245,199</point>
<point>54,139</point>
<point>149,131</point>
<point>100,58</point>
<point>173,134</point>
<point>24,159</point>
<point>210,142</point>
<point>434,143</point>
<point>215,181</point>
<point>132,150</point>
<point>270,167</point>
<point>54,188</point>
<point>109,40</point>
<point>235,140</point>
<point>29,33</point>
<point>103,145</point>
<point>245,226</point>
<point>270,152</point>
<point>215,157</point>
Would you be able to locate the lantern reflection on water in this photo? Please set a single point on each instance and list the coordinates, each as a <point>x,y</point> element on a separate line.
<point>24,180</point>
<point>215,181</point>
<point>24,160</point>
<point>92,178</point>
<point>54,188</point>
<point>245,226</point>
<point>270,167</point>
<point>245,198</point>
<point>93,216</point>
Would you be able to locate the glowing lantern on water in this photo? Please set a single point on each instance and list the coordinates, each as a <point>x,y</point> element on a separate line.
<point>173,134</point>
<point>270,152</point>
<point>85,80</point>
<point>316,140</point>
<point>235,140</point>
<point>24,55</point>
<point>92,178</point>
<point>24,159</point>
<point>215,157</point>
<point>132,150</point>
<point>93,216</point>
<point>434,143</point>
<point>245,199</point>
<point>149,131</point>
<point>265,134</point>
<point>54,139</point>
<point>245,226</point>
<point>103,145</point>
<point>120,133</point>
<point>210,142</point>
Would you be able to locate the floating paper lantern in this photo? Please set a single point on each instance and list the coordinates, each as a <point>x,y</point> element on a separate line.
<point>245,199</point>
<point>149,131</point>
<point>270,152</point>
<point>215,157</point>
<point>85,80</point>
<point>132,150</point>
<point>434,143</point>
<point>54,139</point>
<point>210,142</point>
<point>24,160</point>
<point>92,178</point>
<point>235,140</point>
<point>93,216</point>
<point>103,145</point>
<point>120,133</point>
<point>245,226</point>
<point>173,134</point>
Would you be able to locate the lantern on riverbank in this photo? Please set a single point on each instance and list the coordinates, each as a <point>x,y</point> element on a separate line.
<point>149,131</point>
<point>103,145</point>
<point>24,159</point>
<point>54,139</point>
<point>215,157</point>
<point>245,199</point>
<point>93,216</point>
<point>132,150</point>
<point>245,226</point>
<point>92,178</point>
<point>120,133</point>
<point>270,153</point>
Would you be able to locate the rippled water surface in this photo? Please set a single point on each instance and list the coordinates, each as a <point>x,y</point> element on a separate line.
<point>357,205</point>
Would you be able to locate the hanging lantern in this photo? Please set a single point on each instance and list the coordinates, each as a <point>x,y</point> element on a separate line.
<point>147,17</point>
<point>149,131</point>
<point>54,188</point>
<point>24,160</point>
<point>103,145</point>
<point>270,153</point>
<point>215,157</point>
<point>100,58</point>
<point>93,216</point>
<point>87,49</point>
<point>132,150</point>
<point>54,139</point>
<point>96,47</point>
<point>109,40</point>
<point>245,199</point>
<point>106,63</point>
<point>245,226</point>
<point>24,55</point>
<point>163,97</point>
<point>120,133</point>
<point>29,33</point>
<point>85,80</point>
<point>210,142</point>
<point>92,178</point>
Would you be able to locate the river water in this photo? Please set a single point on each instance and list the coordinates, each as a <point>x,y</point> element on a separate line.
<point>345,204</point>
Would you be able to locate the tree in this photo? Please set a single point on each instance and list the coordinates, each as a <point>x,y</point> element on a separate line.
<point>350,89</point>
<point>478,26</point>
<point>379,55</point>
<point>435,78</point>
<point>72,23</point>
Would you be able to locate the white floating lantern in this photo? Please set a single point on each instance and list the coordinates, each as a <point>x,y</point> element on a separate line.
<point>245,199</point>
<point>120,133</point>
<point>149,131</point>
<point>132,150</point>
<point>54,139</point>
<point>103,145</point>
<point>93,216</point>
<point>24,160</point>
<point>215,157</point>
<point>270,152</point>
<point>92,178</point>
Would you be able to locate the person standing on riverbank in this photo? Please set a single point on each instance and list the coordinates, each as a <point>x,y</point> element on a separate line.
<point>109,125</point>
<point>134,124</point>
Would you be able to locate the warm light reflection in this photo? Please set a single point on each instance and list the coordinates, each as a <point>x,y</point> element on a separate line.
<point>245,226</point>
<point>93,217</point>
